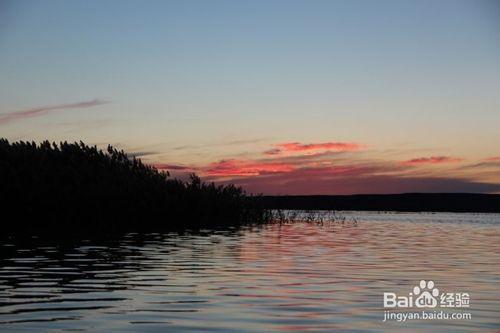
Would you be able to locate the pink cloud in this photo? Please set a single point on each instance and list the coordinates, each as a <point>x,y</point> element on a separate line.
<point>235,167</point>
<point>335,146</point>
<point>493,159</point>
<point>432,160</point>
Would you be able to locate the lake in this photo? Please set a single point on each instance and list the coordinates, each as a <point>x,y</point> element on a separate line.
<point>289,277</point>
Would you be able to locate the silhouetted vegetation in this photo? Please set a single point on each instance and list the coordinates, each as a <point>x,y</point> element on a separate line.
<point>74,188</point>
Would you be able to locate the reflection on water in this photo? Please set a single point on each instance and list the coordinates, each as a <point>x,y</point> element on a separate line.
<point>303,277</point>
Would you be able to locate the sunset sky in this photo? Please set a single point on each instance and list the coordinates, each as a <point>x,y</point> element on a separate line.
<point>280,97</point>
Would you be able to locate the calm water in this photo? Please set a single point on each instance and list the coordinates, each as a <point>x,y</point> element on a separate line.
<point>302,277</point>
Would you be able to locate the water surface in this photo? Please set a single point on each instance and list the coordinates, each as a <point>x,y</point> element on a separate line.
<point>302,277</point>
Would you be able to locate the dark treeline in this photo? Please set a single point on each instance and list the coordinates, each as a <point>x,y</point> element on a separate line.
<point>409,202</point>
<point>73,188</point>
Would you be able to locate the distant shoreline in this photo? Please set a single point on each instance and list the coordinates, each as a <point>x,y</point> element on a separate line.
<point>406,202</point>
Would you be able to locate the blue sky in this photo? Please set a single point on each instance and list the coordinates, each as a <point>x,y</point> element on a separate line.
<point>198,82</point>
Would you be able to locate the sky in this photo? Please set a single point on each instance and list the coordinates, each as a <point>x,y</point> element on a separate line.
<point>279,97</point>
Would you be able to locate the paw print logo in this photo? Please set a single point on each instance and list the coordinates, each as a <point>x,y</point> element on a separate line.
<point>426,294</point>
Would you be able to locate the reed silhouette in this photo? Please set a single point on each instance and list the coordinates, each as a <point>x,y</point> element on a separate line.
<point>72,188</point>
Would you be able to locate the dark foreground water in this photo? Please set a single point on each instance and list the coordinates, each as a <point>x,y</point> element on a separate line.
<point>302,277</point>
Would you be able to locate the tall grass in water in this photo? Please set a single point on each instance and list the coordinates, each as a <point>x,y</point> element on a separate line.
<point>74,188</point>
<point>281,216</point>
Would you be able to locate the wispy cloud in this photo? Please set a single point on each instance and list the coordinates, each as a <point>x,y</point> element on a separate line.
<point>220,144</point>
<point>142,153</point>
<point>432,160</point>
<point>293,147</point>
<point>235,167</point>
<point>274,151</point>
<point>490,162</point>
<point>174,167</point>
<point>40,111</point>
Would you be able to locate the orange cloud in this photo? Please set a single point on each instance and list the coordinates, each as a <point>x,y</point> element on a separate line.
<point>235,167</point>
<point>432,160</point>
<point>336,146</point>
